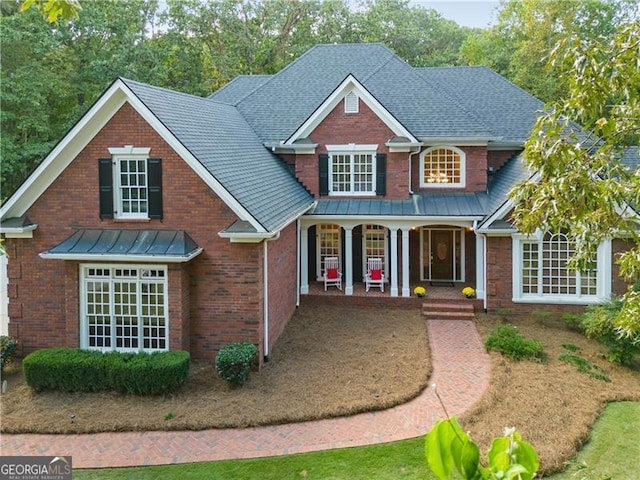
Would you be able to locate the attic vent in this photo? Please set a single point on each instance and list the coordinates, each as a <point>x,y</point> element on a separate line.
<point>351,103</point>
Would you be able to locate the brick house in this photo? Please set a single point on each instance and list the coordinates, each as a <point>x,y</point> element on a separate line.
<point>168,221</point>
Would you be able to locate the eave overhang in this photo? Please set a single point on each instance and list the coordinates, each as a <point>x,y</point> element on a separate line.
<point>349,84</point>
<point>147,246</point>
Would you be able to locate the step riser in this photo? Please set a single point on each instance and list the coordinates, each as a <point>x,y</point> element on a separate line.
<point>448,311</point>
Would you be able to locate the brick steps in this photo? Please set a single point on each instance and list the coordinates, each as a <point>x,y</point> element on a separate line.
<point>448,311</point>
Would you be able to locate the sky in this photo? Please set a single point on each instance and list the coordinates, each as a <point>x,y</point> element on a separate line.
<point>468,13</point>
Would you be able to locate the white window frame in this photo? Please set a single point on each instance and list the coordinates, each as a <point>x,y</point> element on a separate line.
<point>328,244</point>
<point>110,300</point>
<point>369,231</point>
<point>602,276</point>
<point>119,155</point>
<point>437,184</point>
<point>351,151</point>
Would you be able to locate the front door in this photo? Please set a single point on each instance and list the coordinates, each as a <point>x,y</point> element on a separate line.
<point>442,258</point>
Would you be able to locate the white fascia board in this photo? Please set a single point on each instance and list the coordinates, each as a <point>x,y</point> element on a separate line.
<point>122,258</point>
<point>84,131</point>
<point>192,161</point>
<point>457,141</point>
<point>497,232</point>
<point>65,151</point>
<point>253,237</point>
<point>19,232</point>
<point>414,220</point>
<point>349,84</point>
<point>298,149</point>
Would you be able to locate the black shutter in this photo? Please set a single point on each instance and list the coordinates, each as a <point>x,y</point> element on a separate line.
<point>105,185</point>
<point>323,169</point>
<point>154,184</point>
<point>381,174</point>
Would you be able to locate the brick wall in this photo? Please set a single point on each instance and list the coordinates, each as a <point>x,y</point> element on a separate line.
<point>340,128</point>
<point>500,284</point>
<point>282,261</point>
<point>214,299</point>
<point>476,171</point>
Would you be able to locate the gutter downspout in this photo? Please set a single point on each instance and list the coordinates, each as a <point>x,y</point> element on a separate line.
<point>265,302</point>
<point>411,154</point>
<point>298,263</point>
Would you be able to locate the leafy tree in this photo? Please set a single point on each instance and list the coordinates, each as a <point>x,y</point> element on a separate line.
<point>585,184</point>
<point>53,9</point>
<point>520,43</point>
<point>419,35</point>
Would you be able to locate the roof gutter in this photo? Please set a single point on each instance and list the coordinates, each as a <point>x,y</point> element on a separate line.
<point>88,257</point>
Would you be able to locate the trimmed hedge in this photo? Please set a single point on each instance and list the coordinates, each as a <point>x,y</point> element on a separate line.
<point>234,361</point>
<point>75,370</point>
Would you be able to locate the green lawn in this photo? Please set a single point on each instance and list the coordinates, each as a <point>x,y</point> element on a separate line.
<point>613,452</point>
<point>614,449</point>
<point>392,461</point>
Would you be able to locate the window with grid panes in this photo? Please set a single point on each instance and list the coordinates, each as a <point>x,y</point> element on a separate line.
<point>442,167</point>
<point>328,244</point>
<point>352,173</point>
<point>546,271</point>
<point>125,308</point>
<point>132,186</point>
<point>374,237</point>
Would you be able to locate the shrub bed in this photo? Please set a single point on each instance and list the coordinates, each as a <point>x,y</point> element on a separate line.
<point>507,340</point>
<point>75,370</point>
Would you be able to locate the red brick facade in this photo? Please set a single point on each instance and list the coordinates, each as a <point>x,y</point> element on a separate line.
<point>499,273</point>
<point>214,299</point>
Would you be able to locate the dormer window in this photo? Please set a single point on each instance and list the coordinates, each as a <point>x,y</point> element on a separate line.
<point>351,103</point>
<point>442,167</point>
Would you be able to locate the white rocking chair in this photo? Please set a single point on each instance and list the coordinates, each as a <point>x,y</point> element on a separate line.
<point>332,274</point>
<point>374,274</point>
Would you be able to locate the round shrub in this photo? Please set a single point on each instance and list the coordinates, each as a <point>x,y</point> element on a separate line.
<point>234,361</point>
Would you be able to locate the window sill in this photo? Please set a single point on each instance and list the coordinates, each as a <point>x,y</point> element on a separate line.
<point>560,300</point>
<point>132,220</point>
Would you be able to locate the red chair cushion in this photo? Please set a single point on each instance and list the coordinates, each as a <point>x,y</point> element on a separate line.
<point>332,273</point>
<point>376,275</point>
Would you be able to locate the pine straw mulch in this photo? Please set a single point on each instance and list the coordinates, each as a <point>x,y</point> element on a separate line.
<point>339,361</point>
<point>552,404</point>
<point>330,362</point>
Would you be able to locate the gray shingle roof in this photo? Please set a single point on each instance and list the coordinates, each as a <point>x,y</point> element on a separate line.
<point>283,102</point>
<point>218,137</point>
<point>507,110</point>
<point>238,88</point>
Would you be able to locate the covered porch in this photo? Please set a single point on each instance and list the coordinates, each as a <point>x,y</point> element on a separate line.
<point>442,255</point>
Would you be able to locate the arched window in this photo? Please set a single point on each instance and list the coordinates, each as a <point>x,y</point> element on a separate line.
<point>442,167</point>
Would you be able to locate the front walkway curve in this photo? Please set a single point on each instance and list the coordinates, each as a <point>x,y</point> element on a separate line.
<point>460,369</point>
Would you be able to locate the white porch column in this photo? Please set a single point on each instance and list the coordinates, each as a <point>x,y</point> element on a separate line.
<point>406,288</point>
<point>304,260</point>
<point>480,267</point>
<point>394,261</point>
<point>348,260</point>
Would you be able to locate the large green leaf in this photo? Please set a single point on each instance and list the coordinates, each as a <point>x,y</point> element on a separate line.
<point>438,449</point>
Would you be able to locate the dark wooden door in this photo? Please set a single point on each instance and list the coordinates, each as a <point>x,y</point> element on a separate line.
<point>442,255</point>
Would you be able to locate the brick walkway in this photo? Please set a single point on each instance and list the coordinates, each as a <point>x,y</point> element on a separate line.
<point>460,370</point>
